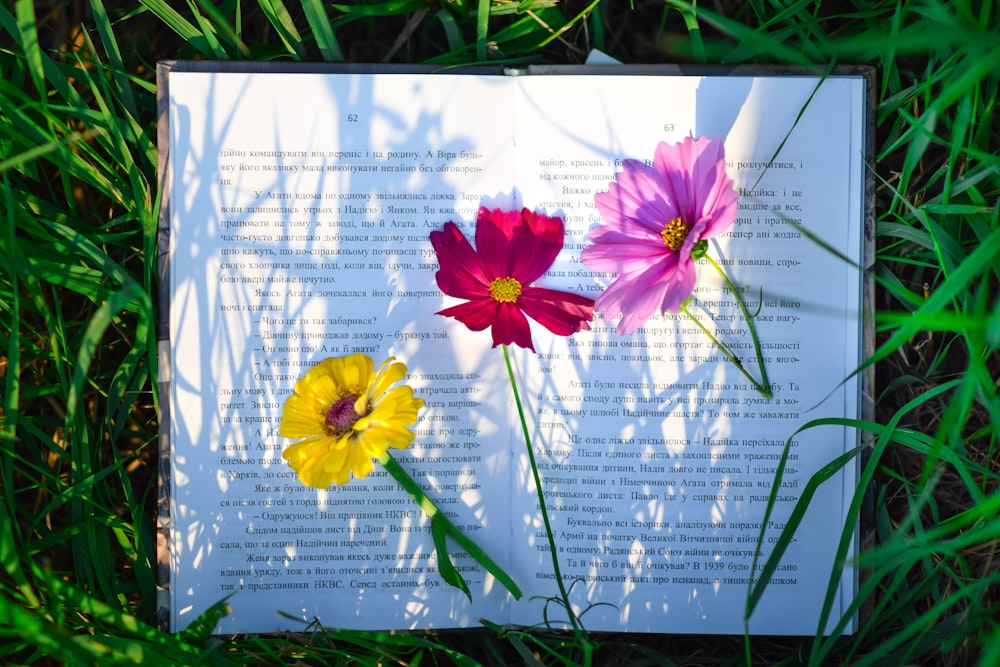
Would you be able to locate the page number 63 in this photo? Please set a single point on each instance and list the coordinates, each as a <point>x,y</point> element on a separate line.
<point>668,127</point>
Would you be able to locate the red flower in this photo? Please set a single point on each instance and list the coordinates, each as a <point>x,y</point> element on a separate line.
<point>513,249</point>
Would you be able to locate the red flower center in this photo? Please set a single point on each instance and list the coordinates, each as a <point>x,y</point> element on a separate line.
<point>505,290</point>
<point>674,233</point>
<point>341,415</point>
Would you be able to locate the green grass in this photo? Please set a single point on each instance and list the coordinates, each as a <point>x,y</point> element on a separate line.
<point>78,279</point>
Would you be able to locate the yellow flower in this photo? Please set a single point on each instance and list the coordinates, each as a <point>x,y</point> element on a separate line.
<point>346,415</point>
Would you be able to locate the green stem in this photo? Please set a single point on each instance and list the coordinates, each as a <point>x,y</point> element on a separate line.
<point>431,509</point>
<point>726,351</point>
<point>764,386</point>
<point>541,495</point>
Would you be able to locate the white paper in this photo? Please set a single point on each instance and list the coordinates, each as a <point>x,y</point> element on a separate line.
<point>300,211</point>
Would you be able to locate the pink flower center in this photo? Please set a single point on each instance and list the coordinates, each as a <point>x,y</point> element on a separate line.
<point>674,233</point>
<point>341,415</point>
<point>505,290</point>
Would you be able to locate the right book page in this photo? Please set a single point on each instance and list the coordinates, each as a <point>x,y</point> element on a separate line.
<point>657,455</point>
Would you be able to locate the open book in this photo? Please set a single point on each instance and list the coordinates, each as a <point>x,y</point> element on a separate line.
<point>296,228</point>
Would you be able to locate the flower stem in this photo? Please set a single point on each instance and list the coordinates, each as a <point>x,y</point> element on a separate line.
<point>441,521</point>
<point>724,349</point>
<point>764,386</point>
<point>541,495</point>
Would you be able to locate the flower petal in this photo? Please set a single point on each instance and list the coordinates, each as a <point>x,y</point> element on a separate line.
<point>388,374</point>
<point>662,286</point>
<point>349,374</point>
<point>478,314</point>
<point>494,236</point>
<point>536,244</point>
<point>680,286</point>
<point>311,459</point>
<point>562,313</point>
<point>462,272</point>
<point>634,297</point>
<point>614,252</point>
<point>636,203</point>
<point>302,418</point>
<point>361,460</point>
<point>511,327</point>
<point>518,244</point>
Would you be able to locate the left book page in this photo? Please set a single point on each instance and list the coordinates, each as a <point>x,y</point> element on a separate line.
<point>298,208</point>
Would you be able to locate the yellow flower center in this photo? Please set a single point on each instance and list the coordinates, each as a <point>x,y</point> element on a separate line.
<point>674,233</point>
<point>341,415</point>
<point>505,290</point>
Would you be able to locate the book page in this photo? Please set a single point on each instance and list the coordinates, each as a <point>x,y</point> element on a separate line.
<point>301,207</point>
<point>657,454</point>
<point>300,212</point>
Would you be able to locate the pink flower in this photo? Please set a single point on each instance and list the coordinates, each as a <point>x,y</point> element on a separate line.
<point>513,249</point>
<point>658,218</point>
